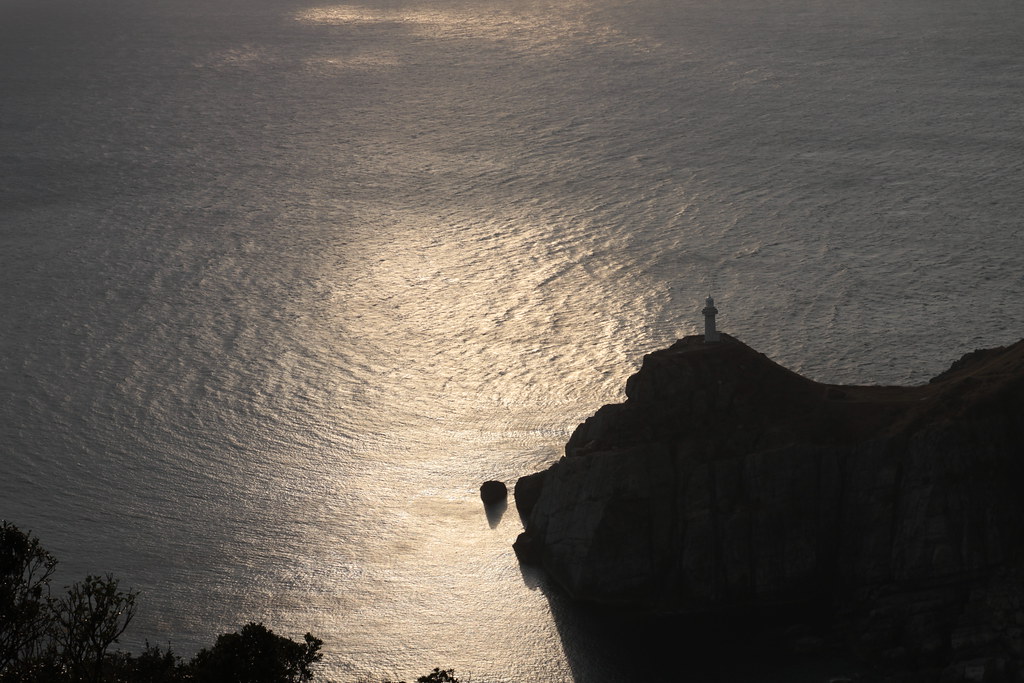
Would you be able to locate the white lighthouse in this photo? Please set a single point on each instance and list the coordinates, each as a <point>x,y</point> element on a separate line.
<point>710,333</point>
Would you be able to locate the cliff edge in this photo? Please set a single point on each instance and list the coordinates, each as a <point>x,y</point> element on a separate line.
<point>727,483</point>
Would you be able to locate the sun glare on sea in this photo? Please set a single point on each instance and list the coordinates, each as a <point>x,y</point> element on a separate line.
<point>558,27</point>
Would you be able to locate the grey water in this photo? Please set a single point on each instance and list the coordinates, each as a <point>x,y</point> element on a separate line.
<point>283,281</point>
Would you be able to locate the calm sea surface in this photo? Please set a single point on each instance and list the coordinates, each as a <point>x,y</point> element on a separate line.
<point>283,282</point>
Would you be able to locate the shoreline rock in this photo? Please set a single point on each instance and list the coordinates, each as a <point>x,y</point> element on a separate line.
<point>493,492</point>
<point>726,482</point>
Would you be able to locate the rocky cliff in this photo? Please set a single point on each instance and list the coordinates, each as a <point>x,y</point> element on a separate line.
<point>726,482</point>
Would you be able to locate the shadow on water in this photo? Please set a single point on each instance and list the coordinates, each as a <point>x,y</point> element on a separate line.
<point>533,577</point>
<point>602,646</point>
<point>781,644</point>
<point>495,511</point>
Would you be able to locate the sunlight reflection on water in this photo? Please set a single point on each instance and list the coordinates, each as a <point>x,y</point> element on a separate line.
<point>285,285</point>
<point>553,28</point>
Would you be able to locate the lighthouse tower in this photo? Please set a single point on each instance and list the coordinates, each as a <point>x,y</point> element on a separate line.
<point>710,333</point>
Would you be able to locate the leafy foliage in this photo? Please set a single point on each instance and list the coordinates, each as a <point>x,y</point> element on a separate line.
<point>256,655</point>
<point>152,666</point>
<point>435,676</point>
<point>25,604</point>
<point>89,619</point>
<point>66,639</point>
<point>54,639</point>
<point>439,676</point>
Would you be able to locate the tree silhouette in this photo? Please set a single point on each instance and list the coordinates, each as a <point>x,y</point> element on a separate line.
<point>90,617</point>
<point>439,676</point>
<point>65,640</point>
<point>256,655</point>
<point>25,603</point>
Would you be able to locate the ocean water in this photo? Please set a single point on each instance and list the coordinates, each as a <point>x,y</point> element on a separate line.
<point>284,281</point>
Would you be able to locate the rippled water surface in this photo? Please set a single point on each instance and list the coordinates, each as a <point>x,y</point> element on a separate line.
<point>283,282</point>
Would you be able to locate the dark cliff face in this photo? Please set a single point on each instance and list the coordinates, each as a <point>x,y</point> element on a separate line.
<point>728,482</point>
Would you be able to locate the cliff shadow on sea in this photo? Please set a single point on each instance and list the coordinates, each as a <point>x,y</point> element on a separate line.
<point>732,521</point>
<point>604,645</point>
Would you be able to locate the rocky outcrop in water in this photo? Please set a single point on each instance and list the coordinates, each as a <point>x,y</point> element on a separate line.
<point>493,492</point>
<point>727,483</point>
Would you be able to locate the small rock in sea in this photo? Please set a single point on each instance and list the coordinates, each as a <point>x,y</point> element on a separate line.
<point>492,492</point>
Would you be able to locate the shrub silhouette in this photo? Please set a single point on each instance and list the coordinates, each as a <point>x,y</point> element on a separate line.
<point>439,676</point>
<point>256,655</point>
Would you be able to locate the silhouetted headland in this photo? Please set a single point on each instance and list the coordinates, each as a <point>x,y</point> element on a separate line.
<point>727,484</point>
